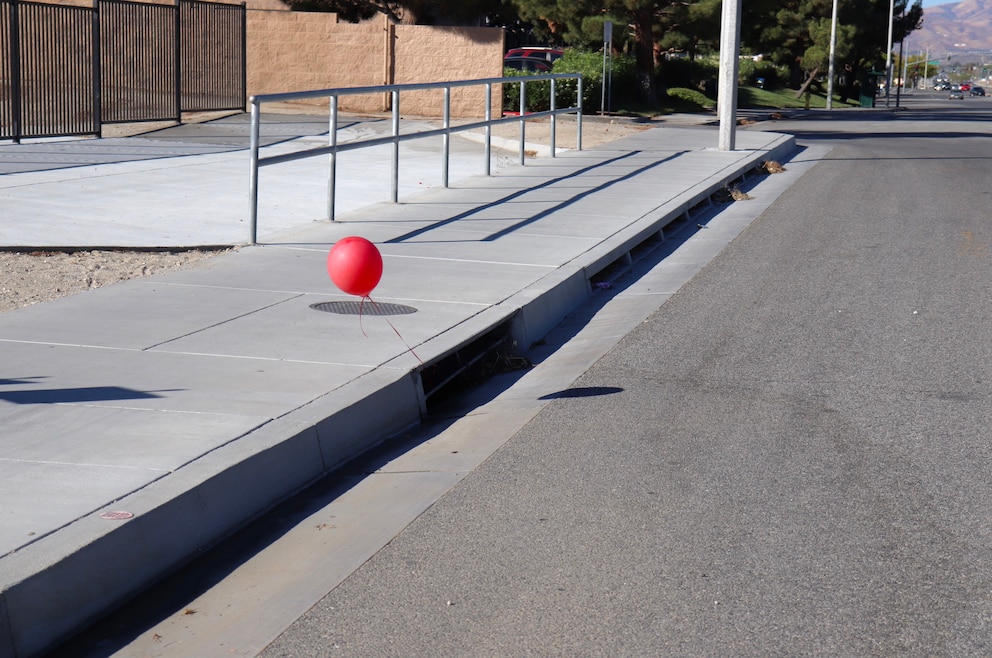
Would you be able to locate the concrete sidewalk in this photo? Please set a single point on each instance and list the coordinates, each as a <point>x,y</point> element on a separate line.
<point>187,186</point>
<point>146,420</point>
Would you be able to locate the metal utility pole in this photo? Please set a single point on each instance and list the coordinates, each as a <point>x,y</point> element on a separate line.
<point>833,50</point>
<point>730,46</point>
<point>888,54</point>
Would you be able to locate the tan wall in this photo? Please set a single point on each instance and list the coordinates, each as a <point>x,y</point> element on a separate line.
<point>299,51</point>
<point>439,54</point>
<point>263,4</point>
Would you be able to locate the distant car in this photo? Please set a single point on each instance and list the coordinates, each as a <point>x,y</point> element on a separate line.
<point>531,64</point>
<point>955,94</point>
<point>965,86</point>
<point>942,86</point>
<point>547,53</point>
<point>977,91</point>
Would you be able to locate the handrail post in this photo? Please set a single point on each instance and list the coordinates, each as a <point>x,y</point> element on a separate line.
<point>489,128</point>
<point>554,116</point>
<point>332,161</point>
<point>446,123</point>
<point>523,111</point>
<point>578,120</point>
<point>253,173</point>
<point>333,146</point>
<point>396,146</point>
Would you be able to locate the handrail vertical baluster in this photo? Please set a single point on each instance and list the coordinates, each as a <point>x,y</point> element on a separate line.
<point>554,116</point>
<point>253,176</point>
<point>489,127</point>
<point>396,146</point>
<point>446,138</point>
<point>578,117</point>
<point>332,161</point>
<point>523,122</point>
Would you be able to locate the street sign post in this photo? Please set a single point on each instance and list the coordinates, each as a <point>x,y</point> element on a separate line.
<point>607,92</point>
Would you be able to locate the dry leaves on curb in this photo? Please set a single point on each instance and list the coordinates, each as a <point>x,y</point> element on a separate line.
<point>728,194</point>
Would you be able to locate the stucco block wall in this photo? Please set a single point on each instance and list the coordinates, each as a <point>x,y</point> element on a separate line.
<point>299,51</point>
<point>440,54</point>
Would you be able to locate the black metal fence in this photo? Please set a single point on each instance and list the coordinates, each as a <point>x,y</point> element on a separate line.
<point>68,70</point>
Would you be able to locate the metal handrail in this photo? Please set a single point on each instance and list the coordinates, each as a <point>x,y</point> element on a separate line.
<point>333,148</point>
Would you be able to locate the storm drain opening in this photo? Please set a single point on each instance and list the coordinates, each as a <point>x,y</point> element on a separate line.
<point>608,276</point>
<point>648,245</point>
<point>605,278</point>
<point>700,207</point>
<point>364,307</point>
<point>471,365</point>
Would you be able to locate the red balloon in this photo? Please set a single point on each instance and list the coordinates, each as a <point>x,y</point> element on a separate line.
<point>355,265</point>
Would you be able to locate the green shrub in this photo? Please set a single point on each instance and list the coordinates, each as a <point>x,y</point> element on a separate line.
<point>685,72</point>
<point>749,71</point>
<point>691,99</point>
<point>590,65</point>
<point>538,92</point>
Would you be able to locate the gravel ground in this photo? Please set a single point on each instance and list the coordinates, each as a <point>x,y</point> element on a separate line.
<point>40,276</point>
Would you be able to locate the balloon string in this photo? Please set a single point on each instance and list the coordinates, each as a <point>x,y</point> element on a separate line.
<point>402,340</point>
<point>361,305</point>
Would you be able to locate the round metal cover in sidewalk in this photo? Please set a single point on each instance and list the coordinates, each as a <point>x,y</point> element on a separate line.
<point>365,307</point>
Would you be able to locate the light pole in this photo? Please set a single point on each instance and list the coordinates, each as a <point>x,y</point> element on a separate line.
<point>888,54</point>
<point>730,47</point>
<point>833,50</point>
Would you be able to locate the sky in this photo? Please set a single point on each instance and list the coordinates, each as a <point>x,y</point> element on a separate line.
<point>931,3</point>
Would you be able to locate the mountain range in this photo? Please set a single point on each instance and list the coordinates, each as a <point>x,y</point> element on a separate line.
<point>959,27</point>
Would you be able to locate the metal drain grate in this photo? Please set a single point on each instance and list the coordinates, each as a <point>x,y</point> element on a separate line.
<point>363,308</point>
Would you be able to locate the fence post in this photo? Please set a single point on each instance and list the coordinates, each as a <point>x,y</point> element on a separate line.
<point>97,71</point>
<point>15,65</point>
<point>244,51</point>
<point>178,63</point>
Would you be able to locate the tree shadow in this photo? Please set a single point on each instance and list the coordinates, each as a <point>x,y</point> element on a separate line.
<point>70,395</point>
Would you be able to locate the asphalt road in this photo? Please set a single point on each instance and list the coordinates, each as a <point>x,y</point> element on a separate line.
<point>795,461</point>
<point>790,457</point>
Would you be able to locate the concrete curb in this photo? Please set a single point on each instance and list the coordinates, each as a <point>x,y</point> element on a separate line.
<point>74,576</point>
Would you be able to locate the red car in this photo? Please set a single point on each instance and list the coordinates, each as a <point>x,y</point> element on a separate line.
<point>532,64</point>
<point>547,53</point>
<point>966,86</point>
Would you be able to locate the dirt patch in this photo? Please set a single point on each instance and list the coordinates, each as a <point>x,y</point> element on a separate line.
<point>595,132</point>
<point>41,276</point>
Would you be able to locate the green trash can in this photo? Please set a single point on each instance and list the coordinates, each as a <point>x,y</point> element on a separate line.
<point>869,87</point>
